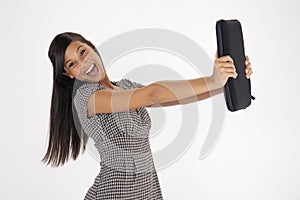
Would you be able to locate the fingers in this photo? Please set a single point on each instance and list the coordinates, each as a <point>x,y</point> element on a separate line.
<point>226,58</point>
<point>248,72</point>
<point>225,64</point>
<point>247,58</point>
<point>225,61</point>
<point>247,61</point>
<point>225,67</point>
<point>226,73</point>
<point>231,74</point>
<point>248,69</point>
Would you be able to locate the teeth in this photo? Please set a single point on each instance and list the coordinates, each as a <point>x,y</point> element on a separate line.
<point>90,69</point>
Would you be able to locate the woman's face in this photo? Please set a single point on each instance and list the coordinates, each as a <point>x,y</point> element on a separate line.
<point>83,63</point>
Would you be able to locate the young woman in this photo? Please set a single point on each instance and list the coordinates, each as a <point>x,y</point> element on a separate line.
<point>113,115</point>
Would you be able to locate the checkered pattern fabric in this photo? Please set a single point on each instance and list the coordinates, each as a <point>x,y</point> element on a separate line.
<point>127,168</point>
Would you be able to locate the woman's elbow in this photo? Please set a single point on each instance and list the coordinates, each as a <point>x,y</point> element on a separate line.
<point>151,94</point>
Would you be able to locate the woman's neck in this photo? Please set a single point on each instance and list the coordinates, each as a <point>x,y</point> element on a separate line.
<point>107,83</point>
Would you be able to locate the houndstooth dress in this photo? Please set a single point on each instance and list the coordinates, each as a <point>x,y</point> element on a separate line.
<point>127,168</point>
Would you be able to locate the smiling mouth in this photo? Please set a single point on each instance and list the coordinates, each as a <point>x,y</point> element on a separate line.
<point>92,71</point>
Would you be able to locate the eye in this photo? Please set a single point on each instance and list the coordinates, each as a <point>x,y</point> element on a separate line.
<point>72,63</point>
<point>82,52</point>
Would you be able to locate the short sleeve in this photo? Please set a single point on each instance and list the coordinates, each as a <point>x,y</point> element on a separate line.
<point>133,84</point>
<point>81,98</point>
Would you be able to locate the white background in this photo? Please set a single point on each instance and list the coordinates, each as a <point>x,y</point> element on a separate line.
<point>258,155</point>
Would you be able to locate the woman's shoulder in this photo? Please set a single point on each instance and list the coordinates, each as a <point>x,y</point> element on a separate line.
<point>86,89</point>
<point>89,87</point>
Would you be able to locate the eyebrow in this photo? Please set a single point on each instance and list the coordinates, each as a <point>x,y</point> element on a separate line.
<point>76,51</point>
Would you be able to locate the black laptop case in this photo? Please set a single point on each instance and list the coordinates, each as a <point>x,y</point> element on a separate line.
<point>230,42</point>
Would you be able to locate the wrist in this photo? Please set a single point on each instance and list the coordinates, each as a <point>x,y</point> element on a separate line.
<point>211,83</point>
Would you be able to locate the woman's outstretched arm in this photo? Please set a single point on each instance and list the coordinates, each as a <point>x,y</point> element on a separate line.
<point>205,95</point>
<point>180,91</point>
<point>108,101</point>
<point>191,99</point>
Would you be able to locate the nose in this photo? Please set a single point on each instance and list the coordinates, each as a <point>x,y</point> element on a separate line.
<point>84,64</point>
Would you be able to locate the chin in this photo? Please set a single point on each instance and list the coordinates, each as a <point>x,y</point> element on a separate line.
<point>101,77</point>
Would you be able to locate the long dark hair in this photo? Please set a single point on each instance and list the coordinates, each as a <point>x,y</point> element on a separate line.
<point>65,136</point>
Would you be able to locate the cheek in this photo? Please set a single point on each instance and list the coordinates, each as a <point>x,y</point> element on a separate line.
<point>95,56</point>
<point>75,71</point>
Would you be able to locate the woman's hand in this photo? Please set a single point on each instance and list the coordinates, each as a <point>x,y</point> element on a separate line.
<point>224,68</point>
